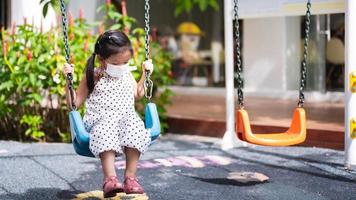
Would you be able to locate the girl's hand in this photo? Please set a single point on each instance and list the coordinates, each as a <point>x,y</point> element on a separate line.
<point>147,65</point>
<point>67,68</point>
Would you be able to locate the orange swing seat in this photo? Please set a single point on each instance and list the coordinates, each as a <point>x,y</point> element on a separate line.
<point>296,133</point>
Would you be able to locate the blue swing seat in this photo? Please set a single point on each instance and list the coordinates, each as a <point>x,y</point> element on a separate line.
<point>81,138</point>
<point>152,122</point>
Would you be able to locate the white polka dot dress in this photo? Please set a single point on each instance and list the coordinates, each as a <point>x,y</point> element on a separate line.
<point>111,119</point>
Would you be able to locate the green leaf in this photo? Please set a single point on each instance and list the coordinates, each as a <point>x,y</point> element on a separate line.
<point>116,27</point>
<point>38,98</point>
<point>178,11</point>
<point>21,60</point>
<point>28,132</point>
<point>115,15</point>
<point>214,4</point>
<point>38,134</point>
<point>32,79</point>
<point>202,5</point>
<point>45,9</point>
<point>188,5</point>
<point>6,85</point>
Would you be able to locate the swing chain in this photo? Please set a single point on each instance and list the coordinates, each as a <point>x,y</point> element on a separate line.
<point>148,86</point>
<point>147,28</point>
<point>67,52</point>
<point>238,63</point>
<point>305,57</point>
<point>148,83</point>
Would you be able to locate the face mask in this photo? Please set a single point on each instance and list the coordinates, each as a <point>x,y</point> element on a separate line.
<point>116,70</point>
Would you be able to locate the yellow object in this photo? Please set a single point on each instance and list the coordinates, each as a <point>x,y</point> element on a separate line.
<point>97,194</point>
<point>189,28</point>
<point>353,82</point>
<point>353,128</point>
<point>296,133</point>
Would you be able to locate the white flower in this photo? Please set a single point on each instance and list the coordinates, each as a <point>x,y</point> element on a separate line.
<point>56,78</point>
<point>42,77</point>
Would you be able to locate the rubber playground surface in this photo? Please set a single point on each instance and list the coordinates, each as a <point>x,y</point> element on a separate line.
<point>179,167</point>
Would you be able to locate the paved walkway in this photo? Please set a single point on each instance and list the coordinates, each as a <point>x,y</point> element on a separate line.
<point>178,167</point>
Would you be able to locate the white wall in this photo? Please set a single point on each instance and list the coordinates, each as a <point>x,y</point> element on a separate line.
<point>271,54</point>
<point>264,54</point>
<point>293,51</point>
<point>89,8</point>
<point>32,10</point>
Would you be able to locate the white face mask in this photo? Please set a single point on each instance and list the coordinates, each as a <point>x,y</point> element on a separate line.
<point>116,70</point>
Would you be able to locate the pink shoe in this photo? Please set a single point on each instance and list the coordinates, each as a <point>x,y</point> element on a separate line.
<point>112,186</point>
<point>132,186</point>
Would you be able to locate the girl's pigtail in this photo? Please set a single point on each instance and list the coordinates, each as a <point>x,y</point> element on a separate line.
<point>89,73</point>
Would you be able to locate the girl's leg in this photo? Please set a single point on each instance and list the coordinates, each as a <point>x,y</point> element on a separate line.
<point>111,184</point>
<point>132,157</point>
<point>108,163</point>
<point>131,185</point>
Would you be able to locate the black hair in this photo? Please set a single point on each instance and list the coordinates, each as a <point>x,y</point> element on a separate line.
<point>107,44</point>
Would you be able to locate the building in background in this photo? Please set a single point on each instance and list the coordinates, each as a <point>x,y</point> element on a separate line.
<point>272,37</point>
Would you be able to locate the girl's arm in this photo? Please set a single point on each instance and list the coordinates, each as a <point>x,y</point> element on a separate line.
<point>81,93</point>
<point>139,90</point>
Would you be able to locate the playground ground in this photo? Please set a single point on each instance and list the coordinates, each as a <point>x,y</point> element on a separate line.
<point>179,167</point>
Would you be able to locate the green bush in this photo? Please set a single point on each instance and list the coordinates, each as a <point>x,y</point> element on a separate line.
<point>32,88</point>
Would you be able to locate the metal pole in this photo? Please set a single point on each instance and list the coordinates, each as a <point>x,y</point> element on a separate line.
<point>350,85</point>
<point>230,139</point>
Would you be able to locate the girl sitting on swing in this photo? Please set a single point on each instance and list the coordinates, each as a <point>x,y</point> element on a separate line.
<point>109,92</point>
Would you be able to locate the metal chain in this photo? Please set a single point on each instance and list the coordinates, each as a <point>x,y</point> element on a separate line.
<point>67,52</point>
<point>305,57</point>
<point>147,29</point>
<point>148,83</point>
<point>238,63</point>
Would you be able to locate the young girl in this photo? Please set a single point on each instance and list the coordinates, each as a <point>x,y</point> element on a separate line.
<point>114,126</point>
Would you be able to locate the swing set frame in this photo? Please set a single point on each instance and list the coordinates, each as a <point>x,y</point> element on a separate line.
<point>231,139</point>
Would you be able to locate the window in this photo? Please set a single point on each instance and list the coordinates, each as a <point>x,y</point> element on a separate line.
<point>326,49</point>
